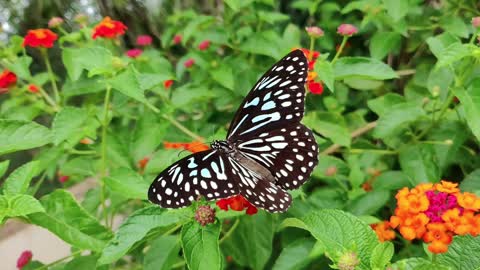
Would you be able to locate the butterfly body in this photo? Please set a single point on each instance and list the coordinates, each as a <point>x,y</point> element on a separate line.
<point>267,150</point>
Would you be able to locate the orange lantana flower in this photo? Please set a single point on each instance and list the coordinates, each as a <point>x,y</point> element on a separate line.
<point>447,187</point>
<point>417,225</point>
<point>414,203</point>
<point>384,231</point>
<point>469,201</point>
<point>438,237</point>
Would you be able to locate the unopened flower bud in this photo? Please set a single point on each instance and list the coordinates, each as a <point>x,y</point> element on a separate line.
<point>314,31</point>
<point>348,261</point>
<point>205,215</point>
<point>347,29</point>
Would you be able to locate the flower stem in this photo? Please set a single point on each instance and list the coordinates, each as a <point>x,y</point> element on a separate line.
<point>51,75</point>
<point>46,266</point>
<point>232,229</point>
<point>340,49</point>
<point>312,44</point>
<point>183,128</point>
<point>104,150</point>
<point>49,100</point>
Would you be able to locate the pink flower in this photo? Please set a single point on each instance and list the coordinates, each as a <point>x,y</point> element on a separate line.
<point>177,39</point>
<point>347,29</point>
<point>204,45</point>
<point>314,31</point>
<point>55,22</point>
<point>144,40</point>
<point>189,62</point>
<point>24,259</point>
<point>134,53</point>
<point>476,22</point>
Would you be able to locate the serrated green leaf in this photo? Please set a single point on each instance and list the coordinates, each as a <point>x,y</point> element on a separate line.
<point>439,43</point>
<point>128,183</point>
<point>417,264</point>
<point>143,143</point>
<point>397,117</point>
<point>78,59</point>
<point>136,227</point>
<point>162,253</point>
<point>369,203</point>
<point>382,104</point>
<point>21,66</point>
<point>263,43</point>
<point>453,53</point>
<point>329,124</point>
<point>471,182</point>
<point>383,43</point>
<point>455,26</point>
<point>19,180</point>
<point>18,205</point>
<point>20,135</point>
<point>396,9</point>
<point>82,262</point>
<point>326,74</point>
<point>470,101</point>
<point>295,255</point>
<point>462,253</point>
<point>391,180</point>
<point>65,218</point>
<point>381,255</point>
<point>4,167</point>
<point>201,246</point>
<point>418,161</point>
<point>81,166</point>
<point>67,123</point>
<point>272,17</point>
<point>224,76</point>
<point>82,86</point>
<point>362,67</point>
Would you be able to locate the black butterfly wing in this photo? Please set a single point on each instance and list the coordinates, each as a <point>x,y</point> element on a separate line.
<point>289,153</point>
<point>276,100</point>
<point>206,174</point>
<point>258,190</point>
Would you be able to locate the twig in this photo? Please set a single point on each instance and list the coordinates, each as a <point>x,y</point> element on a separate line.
<point>356,133</point>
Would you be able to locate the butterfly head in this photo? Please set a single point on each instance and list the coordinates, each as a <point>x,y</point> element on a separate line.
<point>222,146</point>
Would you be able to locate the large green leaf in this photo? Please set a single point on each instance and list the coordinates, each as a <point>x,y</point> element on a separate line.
<point>381,255</point>
<point>91,59</point>
<point>362,67</point>
<point>418,161</point>
<point>136,227</point>
<point>147,136</point>
<point>251,243</point>
<point>417,264</point>
<point>224,76</point>
<point>4,167</point>
<point>201,247</point>
<point>19,135</point>
<point>396,9</point>
<point>470,101</point>
<point>128,183</point>
<point>383,43</point>
<point>340,232</point>
<point>471,182</point>
<point>162,253</point>
<point>295,256</point>
<point>439,43</point>
<point>397,117</point>
<point>369,203</point>
<point>21,66</point>
<point>67,123</point>
<point>453,53</point>
<point>462,253</point>
<point>19,180</point>
<point>18,205</point>
<point>263,43</point>
<point>82,263</point>
<point>326,73</point>
<point>329,124</point>
<point>69,221</point>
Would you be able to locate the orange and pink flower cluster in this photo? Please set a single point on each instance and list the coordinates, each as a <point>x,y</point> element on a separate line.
<point>434,213</point>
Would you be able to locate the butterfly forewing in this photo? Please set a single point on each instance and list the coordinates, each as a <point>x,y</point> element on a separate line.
<point>206,174</point>
<point>289,153</point>
<point>276,100</point>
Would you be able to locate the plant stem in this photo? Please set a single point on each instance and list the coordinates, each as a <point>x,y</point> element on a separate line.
<point>46,266</point>
<point>340,49</point>
<point>358,132</point>
<point>178,265</point>
<point>232,229</point>
<point>49,100</point>
<point>312,44</point>
<point>51,75</point>
<point>172,230</point>
<point>104,150</point>
<point>183,128</point>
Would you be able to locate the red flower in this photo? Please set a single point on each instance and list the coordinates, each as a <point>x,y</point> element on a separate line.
<point>167,84</point>
<point>55,22</point>
<point>177,39</point>
<point>33,88</point>
<point>109,28</point>
<point>62,178</point>
<point>237,203</point>
<point>7,80</point>
<point>189,62</point>
<point>134,53</point>
<point>204,45</point>
<point>144,40</point>
<point>43,38</point>
<point>347,29</point>
<point>315,88</point>
<point>24,259</point>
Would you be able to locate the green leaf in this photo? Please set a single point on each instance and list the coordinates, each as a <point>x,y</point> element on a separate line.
<point>340,232</point>
<point>162,254</point>
<point>471,182</point>
<point>224,76</point>
<point>148,81</point>
<point>396,9</point>
<point>383,104</point>
<point>128,183</point>
<point>462,253</point>
<point>329,124</point>
<point>369,203</point>
<point>264,44</point>
<point>295,255</point>
<point>143,144</point>
<point>453,53</point>
<point>201,247</point>
<point>272,17</point>
<point>70,222</point>
<point>397,117</point>
<point>83,262</point>
<point>117,151</point>
<point>292,36</point>
<point>383,43</point>
<point>235,5</point>
<point>136,227</point>
<point>250,244</point>
<point>391,180</point>
<point>455,26</point>
<point>79,166</point>
<point>326,74</point>
<point>362,84</point>
<point>439,43</point>
<point>21,66</point>
<point>19,180</point>
<point>67,123</point>
<point>4,167</point>
<point>362,67</point>
<point>470,101</point>
<point>418,161</point>
<point>18,205</point>
<point>82,86</point>
<point>417,264</point>
<point>78,59</point>
<point>381,255</point>
<point>19,135</point>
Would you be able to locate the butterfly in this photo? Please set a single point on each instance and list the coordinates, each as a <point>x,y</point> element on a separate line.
<point>267,150</point>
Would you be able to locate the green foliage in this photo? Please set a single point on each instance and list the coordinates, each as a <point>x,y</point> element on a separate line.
<point>200,246</point>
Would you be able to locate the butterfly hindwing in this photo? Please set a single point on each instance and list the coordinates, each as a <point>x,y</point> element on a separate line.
<point>276,99</point>
<point>204,174</point>
<point>289,153</point>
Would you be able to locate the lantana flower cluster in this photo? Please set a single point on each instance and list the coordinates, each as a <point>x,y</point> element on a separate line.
<point>435,213</point>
